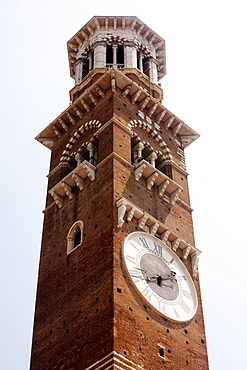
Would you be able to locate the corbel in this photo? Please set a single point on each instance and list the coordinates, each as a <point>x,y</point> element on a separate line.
<point>57,198</point>
<point>186,251</point>
<point>122,206</point>
<point>126,90</point>
<point>174,195</point>
<point>85,104</point>
<point>90,171</point>
<point>195,261</point>
<point>101,91</point>
<point>153,228</point>
<point>79,181</point>
<point>113,80</point>
<point>160,116</point>
<point>177,128</point>
<point>79,111</point>
<point>144,102</point>
<point>152,109</point>
<point>151,180</point>
<point>92,97</point>
<point>67,188</point>
<point>142,222</point>
<point>135,96</point>
<point>57,131</point>
<point>130,213</point>
<point>71,118</point>
<point>63,123</point>
<point>139,171</point>
<point>169,122</point>
<point>162,187</point>
<point>164,236</point>
<point>175,244</point>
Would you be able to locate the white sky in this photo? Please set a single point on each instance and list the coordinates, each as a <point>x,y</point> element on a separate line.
<point>205,86</point>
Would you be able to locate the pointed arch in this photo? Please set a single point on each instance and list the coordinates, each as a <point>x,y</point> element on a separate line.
<point>75,236</point>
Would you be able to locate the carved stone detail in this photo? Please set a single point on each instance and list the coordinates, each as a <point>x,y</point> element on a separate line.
<point>75,178</point>
<point>67,190</point>
<point>127,211</point>
<point>167,188</point>
<point>79,181</point>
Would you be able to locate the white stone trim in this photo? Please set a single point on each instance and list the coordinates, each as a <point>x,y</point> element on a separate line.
<point>168,189</point>
<point>128,210</point>
<point>154,133</point>
<point>71,236</point>
<point>84,127</point>
<point>114,360</point>
<point>74,178</point>
<point>113,80</point>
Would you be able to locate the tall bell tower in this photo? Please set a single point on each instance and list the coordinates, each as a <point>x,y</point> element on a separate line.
<point>118,284</point>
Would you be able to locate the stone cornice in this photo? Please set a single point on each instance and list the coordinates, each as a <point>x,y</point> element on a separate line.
<point>110,80</point>
<point>130,28</point>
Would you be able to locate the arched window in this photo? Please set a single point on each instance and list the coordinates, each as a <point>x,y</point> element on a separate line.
<point>74,237</point>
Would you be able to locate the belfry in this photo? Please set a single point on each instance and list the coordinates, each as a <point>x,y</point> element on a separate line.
<point>118,284</point>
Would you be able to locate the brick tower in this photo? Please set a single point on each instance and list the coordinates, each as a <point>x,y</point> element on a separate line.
<point>118,286</point>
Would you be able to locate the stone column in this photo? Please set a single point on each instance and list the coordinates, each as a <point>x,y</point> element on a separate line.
<point>153,73</point>
<point>100,55</point>
<point>114,52</point>
<point>130,56</point>
<point>140,62</point>
<point>78,71</point>
<point>90,59</point>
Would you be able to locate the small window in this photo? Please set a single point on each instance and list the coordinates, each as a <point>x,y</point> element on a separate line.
<point>74,237</point>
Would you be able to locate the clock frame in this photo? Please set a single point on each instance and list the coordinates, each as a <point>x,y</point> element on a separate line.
<point>159,275</point>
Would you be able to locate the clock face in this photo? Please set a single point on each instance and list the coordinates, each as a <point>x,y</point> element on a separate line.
<point>160,276</point>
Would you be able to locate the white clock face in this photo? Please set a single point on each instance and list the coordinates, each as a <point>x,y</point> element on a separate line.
<point>160,276</point>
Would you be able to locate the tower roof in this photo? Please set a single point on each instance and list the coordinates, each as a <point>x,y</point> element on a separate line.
<point>115,28</point>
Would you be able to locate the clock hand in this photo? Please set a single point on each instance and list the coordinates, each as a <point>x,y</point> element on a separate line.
<point>146,271</point>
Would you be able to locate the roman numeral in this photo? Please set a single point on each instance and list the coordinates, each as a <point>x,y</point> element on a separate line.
<point>184,306</point>
<point>136,276</point>
<point>130,258</point>
<point>176,314</point>
<point>144,243</point>
<point>147,294</point>
<point>157,250</point>
<point>162,307</point>
<point>187,294</point>
<point>133,244</point>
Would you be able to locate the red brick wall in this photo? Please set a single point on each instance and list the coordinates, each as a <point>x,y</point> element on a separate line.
<point>86,306</point>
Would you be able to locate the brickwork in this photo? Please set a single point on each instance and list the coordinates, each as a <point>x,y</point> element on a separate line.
<point>88,313</point>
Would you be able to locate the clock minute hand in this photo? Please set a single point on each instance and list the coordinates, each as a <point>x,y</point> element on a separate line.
<point>146,271</point>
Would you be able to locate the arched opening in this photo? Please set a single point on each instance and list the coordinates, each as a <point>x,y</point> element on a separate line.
<point>74,237</point>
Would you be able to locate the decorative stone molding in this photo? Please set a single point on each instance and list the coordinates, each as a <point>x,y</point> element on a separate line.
<point>167,188</point>
<point>114,360</point>
<point>74,178</point>
<point>154,133</point>
<point>78,225</point>
<point>84,127</point>
<point>113,79</point>
<point>127,211</point>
